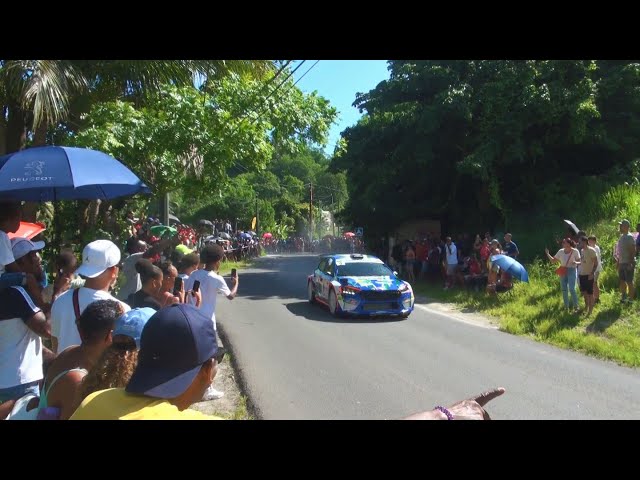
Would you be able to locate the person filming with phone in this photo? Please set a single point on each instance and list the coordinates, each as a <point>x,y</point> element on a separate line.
<point>172,290</point>
<point>210,284</point>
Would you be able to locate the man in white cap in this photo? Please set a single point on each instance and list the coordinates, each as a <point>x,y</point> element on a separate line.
<point>22,324</point>
<point>100,268</point>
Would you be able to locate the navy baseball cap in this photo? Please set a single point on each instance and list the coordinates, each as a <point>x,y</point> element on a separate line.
<point>175,342</point>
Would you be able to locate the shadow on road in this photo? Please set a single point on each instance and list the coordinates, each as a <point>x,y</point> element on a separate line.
<point>278,261</point>
<point>320,313</point>
<point>277,277</point>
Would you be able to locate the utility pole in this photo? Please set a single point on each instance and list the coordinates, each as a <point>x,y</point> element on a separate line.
<point>164,209</point>
<point>333,223</point>
<point>310,211</point>
<point>320,219</point>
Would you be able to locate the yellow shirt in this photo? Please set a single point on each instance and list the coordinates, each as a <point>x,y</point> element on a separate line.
<point>116,404</point>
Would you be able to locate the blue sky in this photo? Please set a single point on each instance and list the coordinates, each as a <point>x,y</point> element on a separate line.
<point>339,81</point>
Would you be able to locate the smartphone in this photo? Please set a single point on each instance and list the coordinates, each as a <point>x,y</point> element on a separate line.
<point>177,286</point>
<point>234,273</point>
<point>196,286</point>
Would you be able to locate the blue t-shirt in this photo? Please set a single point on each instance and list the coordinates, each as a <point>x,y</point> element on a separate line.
<point>511,248</point>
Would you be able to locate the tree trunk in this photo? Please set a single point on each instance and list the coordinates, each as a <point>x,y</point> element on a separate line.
<point>16,137</point>
<point>40,134</point>
<point>3,130</point>
<point>83,215</point>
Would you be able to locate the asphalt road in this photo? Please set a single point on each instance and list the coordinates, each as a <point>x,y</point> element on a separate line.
<point>298,362</point>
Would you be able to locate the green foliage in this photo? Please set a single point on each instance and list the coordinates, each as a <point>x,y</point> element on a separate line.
<point>488,139</point>
<point>536,308</point>
<point>282,191</point>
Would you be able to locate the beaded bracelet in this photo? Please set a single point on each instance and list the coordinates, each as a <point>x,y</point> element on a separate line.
<point>445,411</point>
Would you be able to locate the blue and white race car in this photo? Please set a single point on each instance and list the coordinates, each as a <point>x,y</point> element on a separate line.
<point>359,285</point>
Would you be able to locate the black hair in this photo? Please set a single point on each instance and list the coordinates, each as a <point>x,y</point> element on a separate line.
<point>189,260</point>
<point>176,257</point>
<point>211,254</point>
<point>147,270</point>
<point>98,319</point>
<point>65,260</point>
<point>165,267</point>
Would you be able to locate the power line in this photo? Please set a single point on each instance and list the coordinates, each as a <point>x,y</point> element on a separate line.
<point>259,114</point>
<point>306,73</point>
<point>267,107</point>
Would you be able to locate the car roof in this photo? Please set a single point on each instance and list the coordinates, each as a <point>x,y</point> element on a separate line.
<point>356,258</point>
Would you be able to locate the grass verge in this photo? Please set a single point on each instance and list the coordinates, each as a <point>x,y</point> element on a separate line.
<point>241,411</point>
<point>535,309</point>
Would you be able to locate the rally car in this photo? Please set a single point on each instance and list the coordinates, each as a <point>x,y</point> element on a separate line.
<point>359,285</point>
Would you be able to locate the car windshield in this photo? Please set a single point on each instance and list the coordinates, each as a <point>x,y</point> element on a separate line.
<point>364,270</point>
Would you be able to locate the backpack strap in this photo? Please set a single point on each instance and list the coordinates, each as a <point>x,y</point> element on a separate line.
<point>76,303</point>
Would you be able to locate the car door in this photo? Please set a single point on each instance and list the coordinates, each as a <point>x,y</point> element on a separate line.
<point>327,277</point>
<point>318,277</point>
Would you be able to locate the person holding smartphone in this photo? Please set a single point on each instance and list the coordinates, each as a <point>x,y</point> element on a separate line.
<point>172,290</point>
<point>189,264</point>
<point>210,284</point>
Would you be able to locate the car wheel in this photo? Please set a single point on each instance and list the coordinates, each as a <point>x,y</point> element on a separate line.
<point>405,315</point>
<point>311,295</point>
<point>334,308</point>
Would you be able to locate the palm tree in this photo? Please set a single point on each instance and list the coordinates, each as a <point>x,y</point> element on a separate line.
<point>35,94</point>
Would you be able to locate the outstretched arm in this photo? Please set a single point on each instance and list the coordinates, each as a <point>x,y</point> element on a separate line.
<point>470,409</point>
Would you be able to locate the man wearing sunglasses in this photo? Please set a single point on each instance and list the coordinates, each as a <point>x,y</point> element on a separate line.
<point>177,362</point>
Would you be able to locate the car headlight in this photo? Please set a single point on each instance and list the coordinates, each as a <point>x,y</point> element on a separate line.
<point>404,287</point>
<point>349,291</point>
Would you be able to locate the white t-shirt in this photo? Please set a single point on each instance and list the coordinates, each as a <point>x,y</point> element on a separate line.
<point>6,254</point>
<point>572,257</point>
<point>47,292</point>
<point>20,347</point>
<point>63,317</point>
<point>452,258</point>
<point>210,284</point>
<point>599,269</point>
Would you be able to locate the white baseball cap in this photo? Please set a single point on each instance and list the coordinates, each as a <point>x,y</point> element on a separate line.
<point>97,257</point>
<point>21,246</point>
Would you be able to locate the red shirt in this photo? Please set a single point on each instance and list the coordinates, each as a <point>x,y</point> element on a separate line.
<point>484,252</point>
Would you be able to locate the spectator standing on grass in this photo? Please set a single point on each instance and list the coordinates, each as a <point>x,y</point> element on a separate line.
<point>451,262</point>
<point>568,257</point>
<point>626,262</point>
<point>586,272</point>
<point>593,242</point>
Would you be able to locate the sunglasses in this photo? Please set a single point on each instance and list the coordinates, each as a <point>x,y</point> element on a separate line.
<point>219,355</point>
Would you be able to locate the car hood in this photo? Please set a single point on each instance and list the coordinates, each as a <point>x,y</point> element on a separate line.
<point>374,283</point>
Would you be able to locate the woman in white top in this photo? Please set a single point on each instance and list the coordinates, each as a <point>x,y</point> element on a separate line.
<point>569,257</point>
<point>593,242</point>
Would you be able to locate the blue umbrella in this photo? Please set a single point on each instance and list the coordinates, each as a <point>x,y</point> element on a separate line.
<point>511,266</point>
<point>50,173</point>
